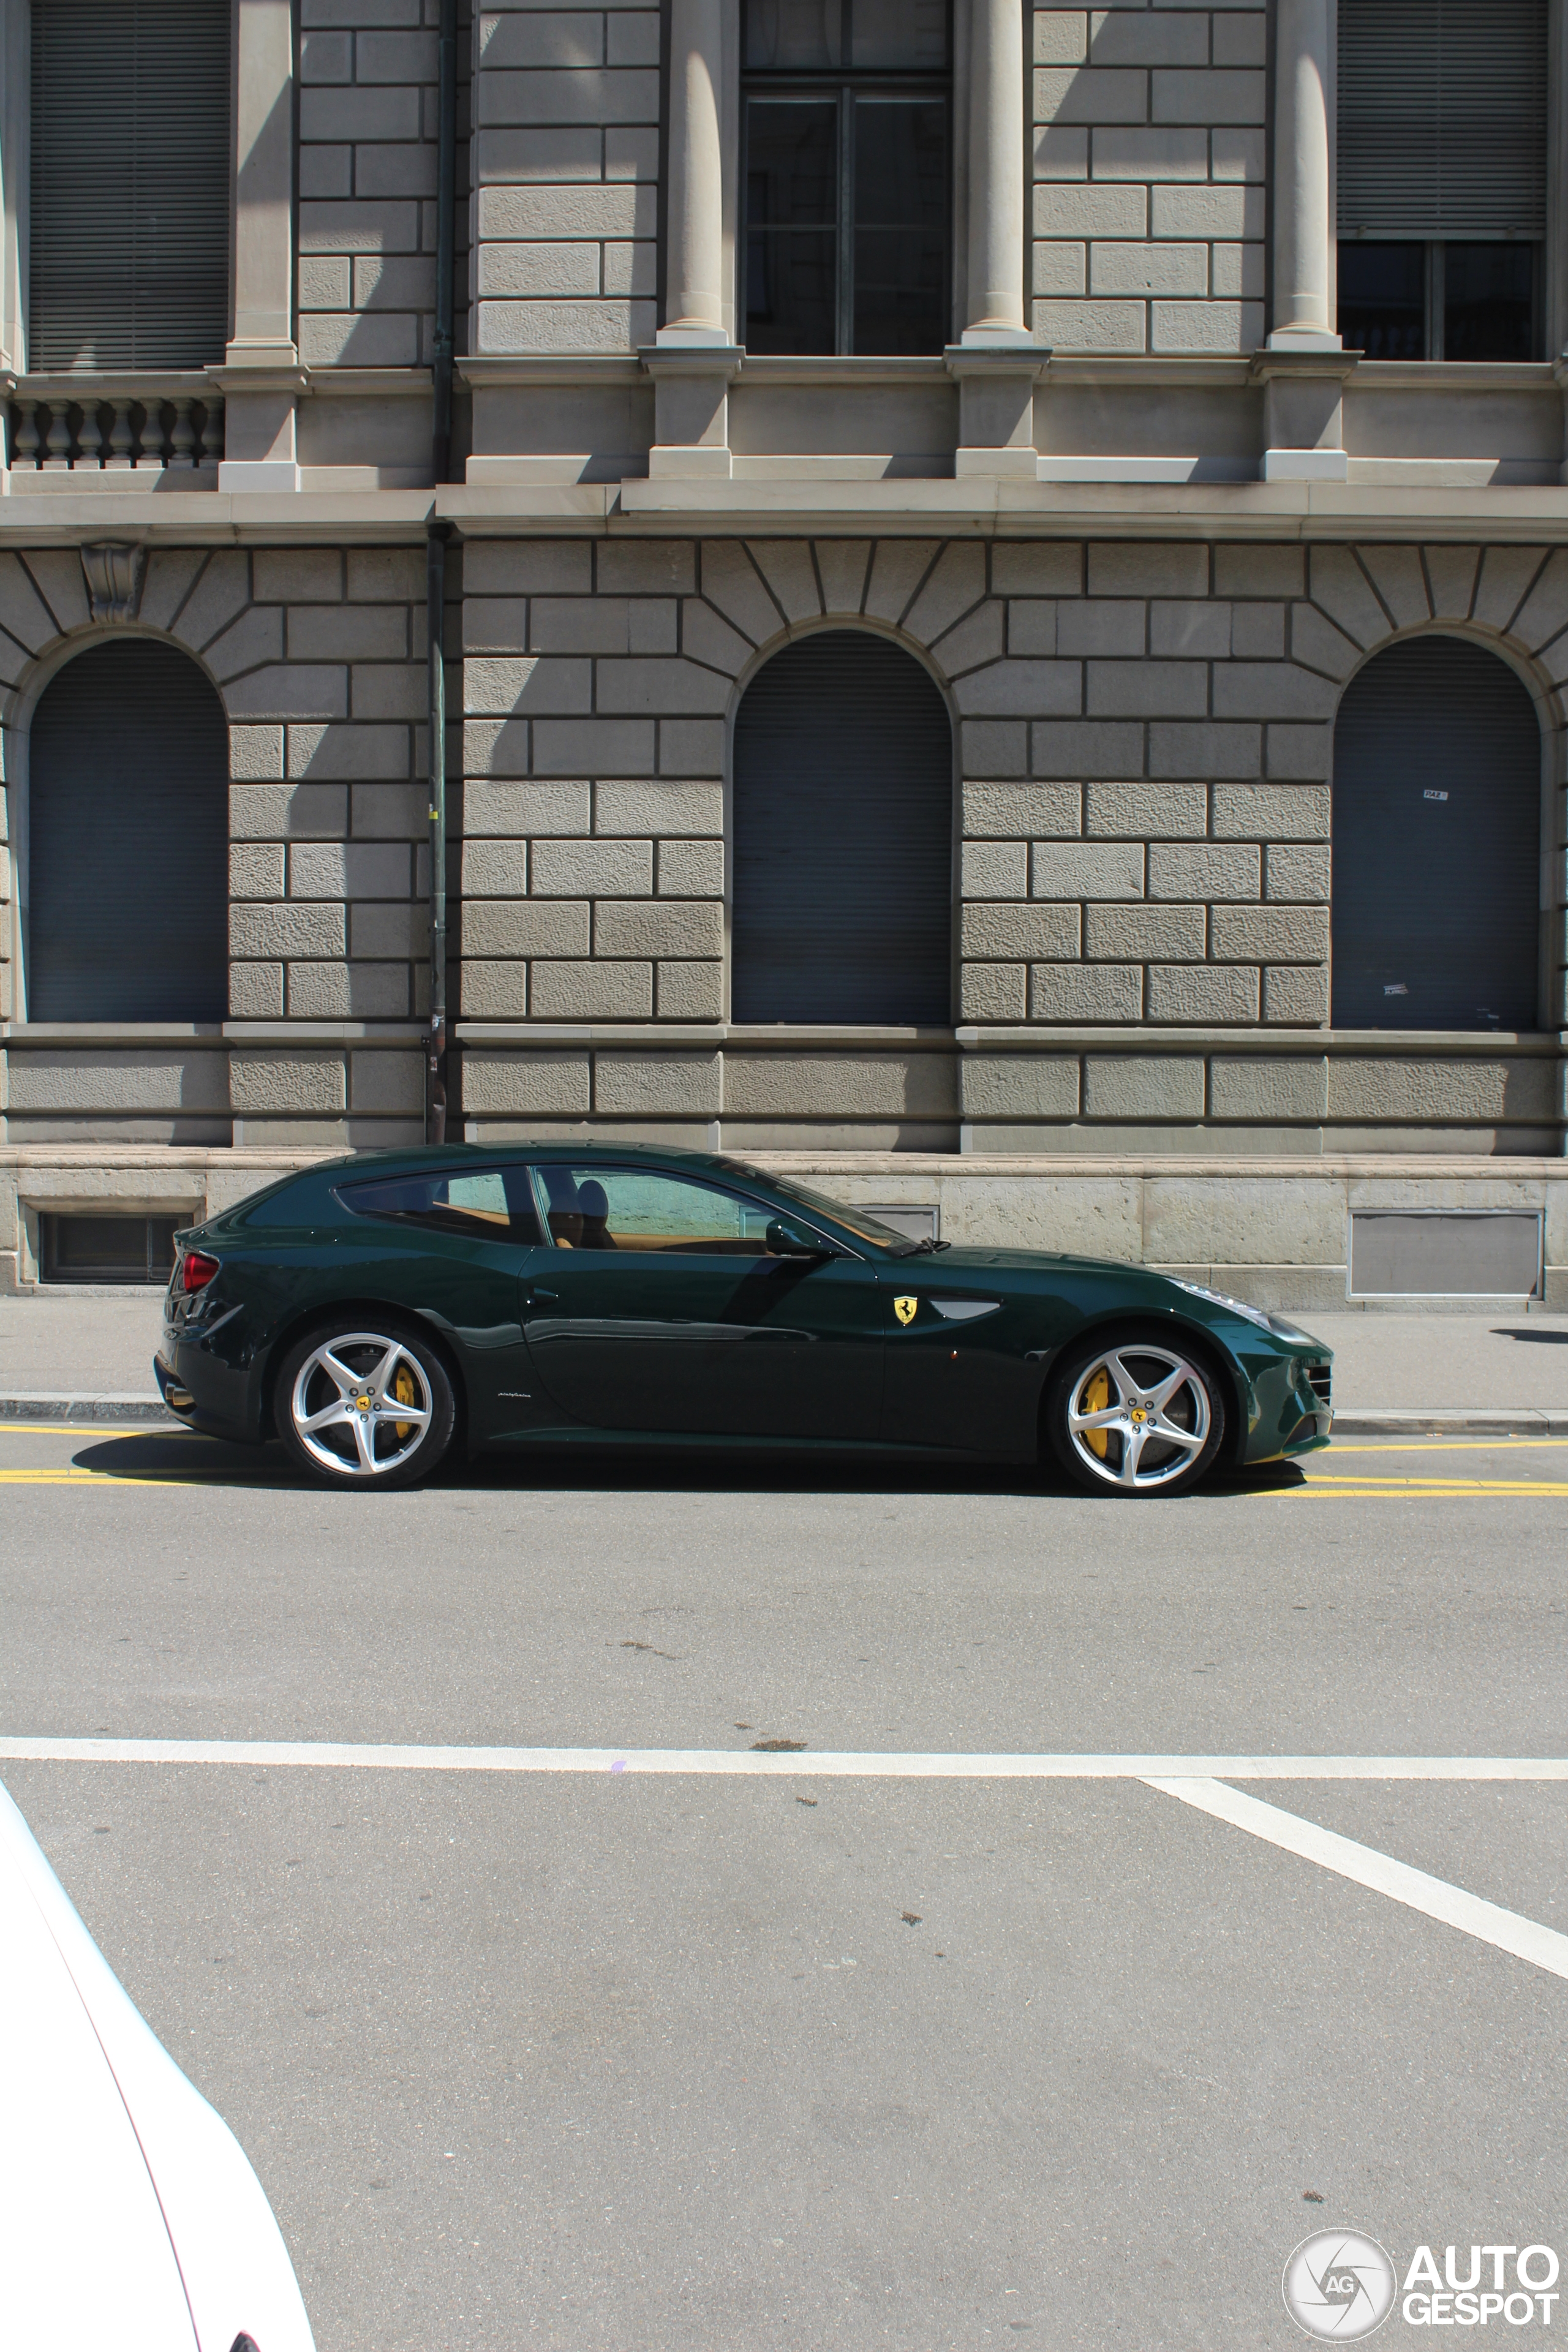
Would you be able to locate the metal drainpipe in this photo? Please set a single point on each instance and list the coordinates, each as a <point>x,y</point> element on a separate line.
<point>436,536</point>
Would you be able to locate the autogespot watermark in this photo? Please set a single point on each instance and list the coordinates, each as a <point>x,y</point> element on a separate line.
<point>1340,2285</point>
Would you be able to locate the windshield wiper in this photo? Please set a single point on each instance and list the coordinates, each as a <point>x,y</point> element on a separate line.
<point>922,1249</point>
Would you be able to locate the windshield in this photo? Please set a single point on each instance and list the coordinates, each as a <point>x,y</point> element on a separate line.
<point>853,1221</point>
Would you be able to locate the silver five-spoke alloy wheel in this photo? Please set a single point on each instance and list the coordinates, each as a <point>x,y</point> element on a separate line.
<point>361,1404</point>
<point>1139,1416</point>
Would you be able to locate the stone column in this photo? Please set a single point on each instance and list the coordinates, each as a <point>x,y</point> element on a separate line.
<point>1303,240</point>
<point>995,307</point>
<point>694,295</point>
<point>260,377</point>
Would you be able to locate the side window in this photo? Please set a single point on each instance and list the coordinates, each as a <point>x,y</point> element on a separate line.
<point>632,1208</point>
<point>847,182</point>
<point>1443,178</point>
<point>128,236</point>
<point>492,1204</point>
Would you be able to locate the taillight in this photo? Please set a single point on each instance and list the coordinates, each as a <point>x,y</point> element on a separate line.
<point>196,1270</point>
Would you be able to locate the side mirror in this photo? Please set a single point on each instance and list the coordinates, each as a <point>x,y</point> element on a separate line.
<point>787,1241</point>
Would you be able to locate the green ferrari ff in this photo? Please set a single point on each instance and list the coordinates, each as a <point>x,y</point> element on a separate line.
<point>372,1313</point>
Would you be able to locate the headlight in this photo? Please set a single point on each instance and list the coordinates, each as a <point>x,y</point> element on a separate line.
<point>1235,1305</point>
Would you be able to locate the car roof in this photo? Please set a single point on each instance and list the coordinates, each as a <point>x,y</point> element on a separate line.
<point>410,1159</point>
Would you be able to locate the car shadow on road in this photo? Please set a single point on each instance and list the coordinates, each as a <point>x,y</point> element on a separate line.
<point>183,1458</point>
<point>1536,1338</point>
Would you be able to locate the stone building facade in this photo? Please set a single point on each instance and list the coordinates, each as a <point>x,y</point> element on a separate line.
<point>1122,492</point>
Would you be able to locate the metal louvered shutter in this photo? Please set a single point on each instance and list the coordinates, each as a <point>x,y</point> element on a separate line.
<point>1442,118</point>
<point>129,240</point>
<point>843,837</point>
<point>128,840</point>
<point>1437,832</point>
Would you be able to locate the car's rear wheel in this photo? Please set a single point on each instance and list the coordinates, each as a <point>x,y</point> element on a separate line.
<point>1132,1413</point>
<point>366,1404</point>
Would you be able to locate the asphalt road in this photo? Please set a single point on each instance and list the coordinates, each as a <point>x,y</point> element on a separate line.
<point>609,2060</point>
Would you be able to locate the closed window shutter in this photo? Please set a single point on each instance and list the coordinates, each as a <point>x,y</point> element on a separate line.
<point>128,840</point>
<point>1437,833</point>
<point>843,838</point>
<point>1442,118</point>
<point>128,237</point>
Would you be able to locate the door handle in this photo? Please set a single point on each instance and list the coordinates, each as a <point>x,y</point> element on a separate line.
<point>536,1293</point>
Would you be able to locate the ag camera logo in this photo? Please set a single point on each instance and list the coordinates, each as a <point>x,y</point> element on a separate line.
<point>1340,2285</point>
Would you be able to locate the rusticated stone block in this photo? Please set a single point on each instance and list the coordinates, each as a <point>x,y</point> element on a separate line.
<point>690,870</point>
<point>1269,1089</point>
<point>256,869</point>
<point>1440,1091</point>
<point>496,1082</point>
<point>1146,811</point>
<point>1297,873</point>
<point>1203,748</point>
<point>495,869</point>
<point>835,1085</point>
<point>996,934</point>
<point>591,991</point>
<point>686,928</point>
<point>1269,934</point>
<point>1019,1086</point>
<point>494,992</point>
<point>1270,812</point>
<point>1205,870</point>
<point>660,1085</point>
<point>524,927</point>
<point>1245,571</point>
<point>995,869</point>
<point>993,992</point>
<point>592,869</point>
<point>1074,992</point>
<point>1021,811</point>
<point>271,1082</point>
<point>1145,934</point>
<point>289,930</point>
<point>287,812</point>
<point>1160,567</point>
<point>689,992</point>
<point>1507,574</point>
<point>658,808</point>
<point>1195,995</point>
<point>1101,869</point>
<point>513,809</point>
<point>346,991</point>
<point>1143,1086</point>
<point>1037,568</point>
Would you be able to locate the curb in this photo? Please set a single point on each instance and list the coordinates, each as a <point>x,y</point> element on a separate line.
<point>1405,1421</point>
<point>58,1407</point>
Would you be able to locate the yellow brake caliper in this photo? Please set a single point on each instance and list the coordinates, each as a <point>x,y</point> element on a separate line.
<point>404,1390</point>
<point>1095,1399</point>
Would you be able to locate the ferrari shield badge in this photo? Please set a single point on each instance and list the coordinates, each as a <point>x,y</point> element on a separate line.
<point>904,1308</point>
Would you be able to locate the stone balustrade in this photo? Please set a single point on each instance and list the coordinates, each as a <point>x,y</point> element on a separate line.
<point>58,425</point>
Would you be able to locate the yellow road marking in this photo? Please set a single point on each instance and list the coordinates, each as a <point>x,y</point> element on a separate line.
<point>84,1429</point>
<point>75,1477</point>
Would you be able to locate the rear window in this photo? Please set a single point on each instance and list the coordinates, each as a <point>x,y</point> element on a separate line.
<point>492,1204</point>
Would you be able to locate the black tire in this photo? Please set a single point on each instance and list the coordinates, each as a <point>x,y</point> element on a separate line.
<point>365,1443</point>
<point>1140,1361</point>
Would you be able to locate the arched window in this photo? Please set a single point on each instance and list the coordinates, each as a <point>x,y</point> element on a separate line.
<point>843,837</point>
<point>128,840</point>
<point>1437,833</point>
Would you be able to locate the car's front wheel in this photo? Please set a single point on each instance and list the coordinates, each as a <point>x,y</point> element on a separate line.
<point>1132,1413</point>
<point>359,1404</point>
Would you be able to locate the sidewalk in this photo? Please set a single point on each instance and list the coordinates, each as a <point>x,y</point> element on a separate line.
<point>90,1358</point>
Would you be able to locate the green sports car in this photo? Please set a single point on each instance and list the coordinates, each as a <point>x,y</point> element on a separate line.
<point>373,1312</point>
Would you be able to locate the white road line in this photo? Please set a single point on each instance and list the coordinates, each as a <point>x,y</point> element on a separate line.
<point>818,1764</point>
<point>1361,1863</point>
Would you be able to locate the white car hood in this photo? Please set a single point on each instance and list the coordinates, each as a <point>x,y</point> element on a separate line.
<point>129,2212</point>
